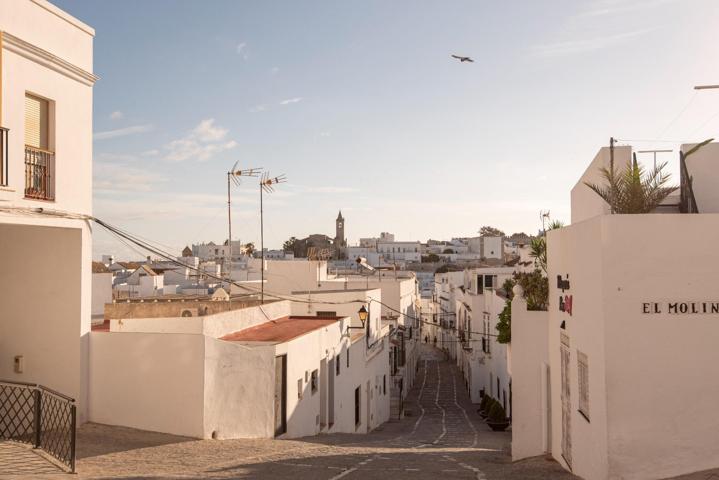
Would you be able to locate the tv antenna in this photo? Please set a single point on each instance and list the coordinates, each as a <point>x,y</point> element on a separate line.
<point>267,185</point>
<point>234,176</point>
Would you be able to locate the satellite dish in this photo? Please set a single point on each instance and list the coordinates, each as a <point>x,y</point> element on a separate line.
<point>362,262</point>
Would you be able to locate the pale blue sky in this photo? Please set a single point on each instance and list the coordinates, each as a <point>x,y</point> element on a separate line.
<point>361,106</point>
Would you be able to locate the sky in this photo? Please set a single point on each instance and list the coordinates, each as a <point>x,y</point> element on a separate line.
<point>361,106</point>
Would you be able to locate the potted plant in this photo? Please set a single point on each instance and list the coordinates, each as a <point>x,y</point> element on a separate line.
<point>487,406</point>
<point>497,417</point>
<point>483,406</point>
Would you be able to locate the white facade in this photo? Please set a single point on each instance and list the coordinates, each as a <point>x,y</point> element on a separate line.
<point>195,376</point>
<point>630,347</point>
<point>101,293</point>
<point>46,58</point>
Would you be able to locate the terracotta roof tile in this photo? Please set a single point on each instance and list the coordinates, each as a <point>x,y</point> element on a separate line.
<point>280,330</point>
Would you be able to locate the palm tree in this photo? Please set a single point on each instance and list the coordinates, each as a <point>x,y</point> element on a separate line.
<point>634,190</point>
<point>538,245</point>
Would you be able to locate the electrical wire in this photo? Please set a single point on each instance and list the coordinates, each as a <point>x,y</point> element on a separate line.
<point>170,258</point>
<point>681,112</point>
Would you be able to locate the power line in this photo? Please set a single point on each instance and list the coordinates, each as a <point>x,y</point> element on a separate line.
<point>168,257</point>
<point>681,112</point>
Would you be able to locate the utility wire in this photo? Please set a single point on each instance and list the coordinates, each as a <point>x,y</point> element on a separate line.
<point>168,257</point>
<point>681,112</point>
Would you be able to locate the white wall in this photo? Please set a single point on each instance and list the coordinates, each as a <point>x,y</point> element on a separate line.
<point>586,203</point>
<point>150,381</point>
<point>101,292</point>
<point>567,255</point>
<point>239,388</point>
<point>660,369</point>
<point>529,363</point>
<point>45,317</point>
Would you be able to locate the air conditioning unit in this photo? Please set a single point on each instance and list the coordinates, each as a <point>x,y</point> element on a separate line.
<point>189,312</point>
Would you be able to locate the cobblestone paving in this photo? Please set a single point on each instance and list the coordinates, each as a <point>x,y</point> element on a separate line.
<point>443,438</point>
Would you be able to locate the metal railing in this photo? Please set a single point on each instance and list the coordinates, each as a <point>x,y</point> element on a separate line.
<point>3,156</point>
<point>688,203</point>
<point>39,173</point>
<point>40,417</point>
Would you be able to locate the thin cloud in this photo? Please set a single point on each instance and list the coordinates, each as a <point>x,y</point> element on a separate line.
<point>242,50</point>
<point>206,131</point>
<point>573,47</point>
<point>274,70</point>
<point>325,134</point>
<point>116,115</point>
<point>115,177</point>
<point>612,7</point>
<point>291,100</point>
<point>258,108</point>
<point>122,132</point>
<point>202,143</point>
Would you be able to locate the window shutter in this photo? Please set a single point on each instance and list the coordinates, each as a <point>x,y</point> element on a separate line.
<point>36,113</point>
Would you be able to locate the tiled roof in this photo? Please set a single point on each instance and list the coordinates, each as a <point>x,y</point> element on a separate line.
<point>99,267</point>
<point>280,330</point>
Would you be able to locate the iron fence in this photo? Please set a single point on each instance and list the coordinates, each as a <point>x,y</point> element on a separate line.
<point>40,417</point>
<point>39,173</point>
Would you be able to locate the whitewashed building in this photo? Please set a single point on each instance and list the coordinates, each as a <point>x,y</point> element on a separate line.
<point>46,88</point>
<point>625,386</point>
<point>249,372</point>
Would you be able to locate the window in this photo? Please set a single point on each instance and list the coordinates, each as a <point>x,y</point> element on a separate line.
<point>489,281</point>
<point>357,407</point>
<point>326,314</point>
<point>337,363</point>
<point>39,160</point>
<point>36,122</point>
<point>384,385</point>
<point>480,283</point>
<point>348,358</point>
<point>299,388</point>
<point>313,381</point>
<point>583,374</point>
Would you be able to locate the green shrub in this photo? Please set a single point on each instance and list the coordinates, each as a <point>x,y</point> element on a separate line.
<point>496,413</point>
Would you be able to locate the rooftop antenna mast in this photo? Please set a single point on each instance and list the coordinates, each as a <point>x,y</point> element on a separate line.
<point>267,184</point>
<point>234,176</point>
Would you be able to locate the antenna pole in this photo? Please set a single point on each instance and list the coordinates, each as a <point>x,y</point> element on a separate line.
<point>229,236</point>
<point>262,250</point>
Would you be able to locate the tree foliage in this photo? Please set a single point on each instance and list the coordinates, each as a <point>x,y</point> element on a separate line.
<point>538,246</point>
<point>249,248</point>
<point>289,245</point>
<point>634,190</point>
<point>504,325</point>
<point>487,231</point>
<point>430,258</point>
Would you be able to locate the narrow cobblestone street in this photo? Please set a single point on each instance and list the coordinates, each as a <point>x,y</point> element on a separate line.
<point>441,437</point>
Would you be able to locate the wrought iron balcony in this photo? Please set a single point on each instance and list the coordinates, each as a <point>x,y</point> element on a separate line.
<point>39,173</point>
<point>3,156</point>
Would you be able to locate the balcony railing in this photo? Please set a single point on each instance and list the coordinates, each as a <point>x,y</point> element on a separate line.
<point>39,173</point>
<point>3,156</point>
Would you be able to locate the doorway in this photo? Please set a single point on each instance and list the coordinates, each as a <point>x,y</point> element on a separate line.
<point>280,395</point>
<point>566,403</point>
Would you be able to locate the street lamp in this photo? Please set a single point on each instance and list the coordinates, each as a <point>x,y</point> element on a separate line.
<point>363,315</point>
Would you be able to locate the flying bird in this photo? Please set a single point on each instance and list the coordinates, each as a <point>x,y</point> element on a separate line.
<point>463,59</point>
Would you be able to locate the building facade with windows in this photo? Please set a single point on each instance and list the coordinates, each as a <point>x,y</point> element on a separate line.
<point>46,88</point>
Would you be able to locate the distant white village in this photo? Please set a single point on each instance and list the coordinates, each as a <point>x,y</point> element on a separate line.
<point>593,343</point>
